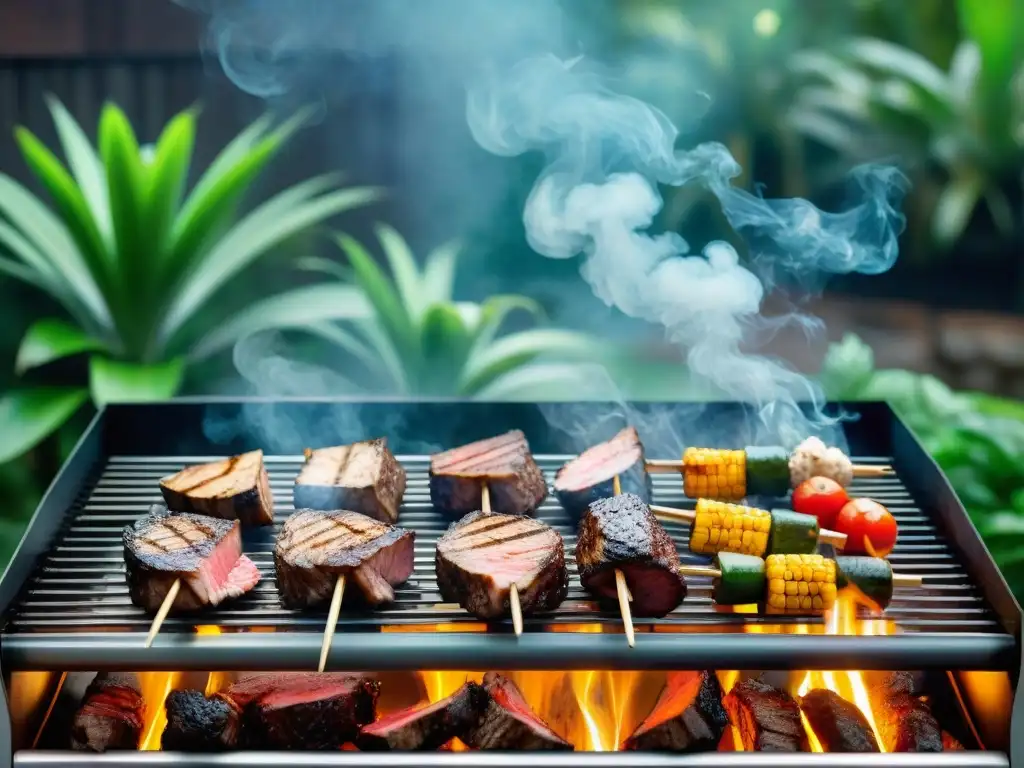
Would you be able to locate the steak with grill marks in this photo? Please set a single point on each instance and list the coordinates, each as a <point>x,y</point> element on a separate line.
<point>204,552</point>
<point>314,547</point>
<point>905,721</point>
<point>591,475</point>
<point>198,723</point>
<point>768,719</point>
<point>621,533</point>
<point>234,489</point>
<point>362,477</point>
<point>503,463</point>
<point>687,717</point>
<point>508,723</point>
<point>839,725</point>
<point>429,727</point>
<point>481,556</point>
<point>111,716</point>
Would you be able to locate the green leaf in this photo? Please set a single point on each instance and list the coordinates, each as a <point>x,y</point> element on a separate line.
<point>23,273</point>
<point>325,267</point>
<point>384,345</point>
<point>351,343</point>
<point>549,382</point>
<point>956,203</point>
<point>51,339</point>
<point>167,177</point>
<point>296,308</point>
<point>226,159</point>
<point>438,280</point>
<point>85,165</point>
<point>29,416</point>
<point>894,60</point>
<point>445,343</point>
<point>996,27</point>
<point>518,349</point>
<point>18,245</point>
<point>847,368</point>
<point>404,272</point>
<point>493,313</point>
<point>114,381</point>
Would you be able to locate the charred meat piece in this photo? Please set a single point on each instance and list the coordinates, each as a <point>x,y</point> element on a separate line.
<point>426,728</point>
<point>508,723</point>
<point>304,711</point>
<point>688,716</point>
<point>362,477</point>
<point>622,533</point>
<point>314,547</point>
<point>204,552</point>
<point>591,475</point>
<point>839,725</point>
<point>504,463</point>
<point>197,723</point>
<point>111,716</point>
<point>950,744</point>
<point>234,489</point>
<point>768,719</point>
<point>905,722</point>
<point>481,556</point>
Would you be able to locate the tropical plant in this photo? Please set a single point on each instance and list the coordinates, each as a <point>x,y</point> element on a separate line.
<point>420,341</point>
<point>131,258</point>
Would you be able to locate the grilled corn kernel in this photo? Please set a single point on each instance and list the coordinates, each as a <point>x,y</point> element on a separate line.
<point>723,527</point>
<point>712,474</point>
<point>800,583</point>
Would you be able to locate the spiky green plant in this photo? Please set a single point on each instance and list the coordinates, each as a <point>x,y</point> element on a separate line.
<point>132,256</point>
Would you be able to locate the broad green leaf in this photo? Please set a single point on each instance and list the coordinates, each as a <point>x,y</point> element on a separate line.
<point>894,60</point>
<point>51,339</point>
<point>353,345</point>
<point>167,176</point>
<point>384,345</point>
<point>953,210</point>
<point>114,381</point>
<point>404,272</point>
<point>28,416</point>
<point>386,302</point>
<point>997,406</point>
<point>964,69</point>
<point>996,27</point>
<point>18,245</point>
<point>445,342</point>
<point>438,279</point>
<point>548,382</point>
<point>23,273</point>
<point>826,129</point>
<point>85,165</point>
<point>296,308</point>
<point>267,226</point>
<point>325,267</point>
<point>493,313</point>
<point>518,349</point>
<point>227,158</point>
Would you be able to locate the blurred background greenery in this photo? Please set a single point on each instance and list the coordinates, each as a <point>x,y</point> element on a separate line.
<point>129,270</point>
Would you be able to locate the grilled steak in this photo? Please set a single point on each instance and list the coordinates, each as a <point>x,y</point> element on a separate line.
<point>234,489</point>
<point>111,715</point>
<point>426,728</point>
<point>688,716</point>
<point>839,725</point>
<point>363,477</point>
<point>590,476</point>
<point>481,556</point>
<point>768,719</point>
<point>905,722</point>
<point>196,723</point>
<point>508,723</point>
<point>314,547</point>
<point>204,552</point>
<point>504,463</point>
<point>622,533</point>
<point>304,711</point>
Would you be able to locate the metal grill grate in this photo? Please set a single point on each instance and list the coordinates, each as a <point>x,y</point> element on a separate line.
<point>79,585</point>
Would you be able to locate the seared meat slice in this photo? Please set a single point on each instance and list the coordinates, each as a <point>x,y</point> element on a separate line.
<point>622,533</point>
<point>426,728</point>
<point>590,476</point>
<point>304,711</point>
<point>196,723</point>
<point>508,723</point>
<point>839,725</point>
<point>905,722</point>
<point>362,477</point>
<point>314,547</point>
<point>768,719</point>
<point>234,489</point>
<point>688,716</point>
<point>111,716</point>
<point>204,552</point>
<point>481,556</point>
<point>504,463</point>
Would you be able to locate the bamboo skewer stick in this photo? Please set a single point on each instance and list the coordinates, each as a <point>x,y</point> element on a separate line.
<point>825,536</point>
<point>332,620</point>
<point>621,587</point>
<point>513,594</point>
<point>675,466</point>
<point>898,579</point>
<point>165,608</point>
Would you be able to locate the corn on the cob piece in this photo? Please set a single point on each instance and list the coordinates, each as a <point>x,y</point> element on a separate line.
<point>715,474</point>
<point>800,583</point>
<point>722,527</point>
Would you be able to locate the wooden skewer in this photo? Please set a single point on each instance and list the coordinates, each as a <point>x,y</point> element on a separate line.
<point>898,579</point>
<point>165,608</point>
<point>627,616</point>
<point>513,594</point>
<point>675,466</point>
<point>332,620</point>
<point>825,536</point>
<point>906,580</point>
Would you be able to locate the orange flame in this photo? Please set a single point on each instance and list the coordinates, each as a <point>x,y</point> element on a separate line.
<point>155,687</point>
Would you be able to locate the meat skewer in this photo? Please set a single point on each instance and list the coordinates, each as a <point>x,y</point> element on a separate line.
<point>800,584</point>
<point>621,588</point>
<point>362,477</point>
<point>513,591</point>
<point>237,488</point>
<point>603,470</point>
<point>718,526</point>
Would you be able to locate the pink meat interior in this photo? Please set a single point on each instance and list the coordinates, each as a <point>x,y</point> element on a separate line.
<point>512,702</point>
<point>403,716</point>
<point>305,693</point>
<point>599,464</point>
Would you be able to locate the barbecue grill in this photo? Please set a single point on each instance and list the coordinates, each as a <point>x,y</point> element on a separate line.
<point>66,606</point>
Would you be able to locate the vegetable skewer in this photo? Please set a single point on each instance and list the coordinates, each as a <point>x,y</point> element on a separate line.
<point>717,526</point>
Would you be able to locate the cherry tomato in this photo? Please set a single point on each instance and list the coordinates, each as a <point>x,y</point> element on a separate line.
<point>870,528</point>
<point>821,497</point>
